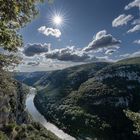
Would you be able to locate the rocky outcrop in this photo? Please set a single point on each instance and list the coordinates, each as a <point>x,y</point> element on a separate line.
<point>13,106</point>
<point>129,72</point>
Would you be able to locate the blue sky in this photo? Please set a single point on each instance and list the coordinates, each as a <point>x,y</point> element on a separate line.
<point>83,20</point>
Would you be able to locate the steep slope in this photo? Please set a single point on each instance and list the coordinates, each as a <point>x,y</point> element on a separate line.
<point>61,84</point>
<point>110,92</point>
<point>87,101</point>
<point>15,123</point>
<point>67,80</point>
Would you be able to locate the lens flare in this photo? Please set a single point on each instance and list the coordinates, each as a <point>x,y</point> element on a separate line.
<point>58,20</point>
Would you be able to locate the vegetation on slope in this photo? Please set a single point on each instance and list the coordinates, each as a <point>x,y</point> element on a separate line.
<point>135,118</point>
<point>15,122</point>
<point>31,131</point>
<point>133,60</point>
<point>91,107</point>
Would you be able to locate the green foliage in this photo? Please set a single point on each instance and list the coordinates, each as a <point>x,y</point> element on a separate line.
<point>133,60</point>
<point>135,118</point>
<point>88,100</point>
<point>15,122</point>
<point>26,131</point>
<point>13,16</point>
<point>73,78</point>
<point>6,83</point>
<point>3,136</point>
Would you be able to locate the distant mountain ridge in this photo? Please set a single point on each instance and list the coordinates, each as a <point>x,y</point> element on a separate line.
<point>30,78</point>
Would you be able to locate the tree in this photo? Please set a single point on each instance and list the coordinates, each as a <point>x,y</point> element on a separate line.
<point>14,14</point>
<point>135,118</point>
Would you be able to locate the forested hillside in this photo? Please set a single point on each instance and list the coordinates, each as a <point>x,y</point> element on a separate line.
<point>88,100</point>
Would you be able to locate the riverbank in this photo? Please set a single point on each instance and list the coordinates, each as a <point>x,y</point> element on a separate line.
<point>39,118</point>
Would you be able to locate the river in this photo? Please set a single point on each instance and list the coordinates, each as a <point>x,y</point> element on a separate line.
<point>40,118</point>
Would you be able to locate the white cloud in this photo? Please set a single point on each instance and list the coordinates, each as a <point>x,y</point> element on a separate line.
<point>135,3</point>
<point>102,40</point>
<point>49,31</point>
<point>126,55</point>
<point>136,21</point>
<point>122,20</point>
<point>137,42</point>
<point>134,29</point>
<point>56,59</point>
<point>105,59</point>
<point>40,63</point>
<point>68,54</point>
<point>110,51</point>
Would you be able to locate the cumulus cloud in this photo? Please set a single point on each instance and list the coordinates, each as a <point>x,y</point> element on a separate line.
<point>36,49</point>
<point>137,42</point>
<point>110,51</point>
<point>136,21</point>
<point>135,3</point>
<point>68,54</point>
<point>45,65</point>
<point>102,40</point>
<point>32,63</point>
<point>57,59</point>
<point>49,31</point>
<point>134,29</point>
<point>122,20</point>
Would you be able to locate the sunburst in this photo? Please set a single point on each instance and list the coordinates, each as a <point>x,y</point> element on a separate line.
<point>58,18</point>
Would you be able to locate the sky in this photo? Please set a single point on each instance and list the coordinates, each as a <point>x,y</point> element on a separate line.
<point>72,32</point>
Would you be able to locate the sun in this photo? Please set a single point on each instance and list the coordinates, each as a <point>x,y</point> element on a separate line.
<point>58,20</point>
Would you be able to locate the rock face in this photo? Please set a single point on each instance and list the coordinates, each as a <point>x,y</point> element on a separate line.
<point>15,122</point>
<point>13,105</point>
<point>130,72</point>
<point>89,101</point>
<point>20,114</point>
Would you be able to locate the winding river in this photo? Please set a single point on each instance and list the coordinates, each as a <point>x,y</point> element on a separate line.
<point>40,118</point>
